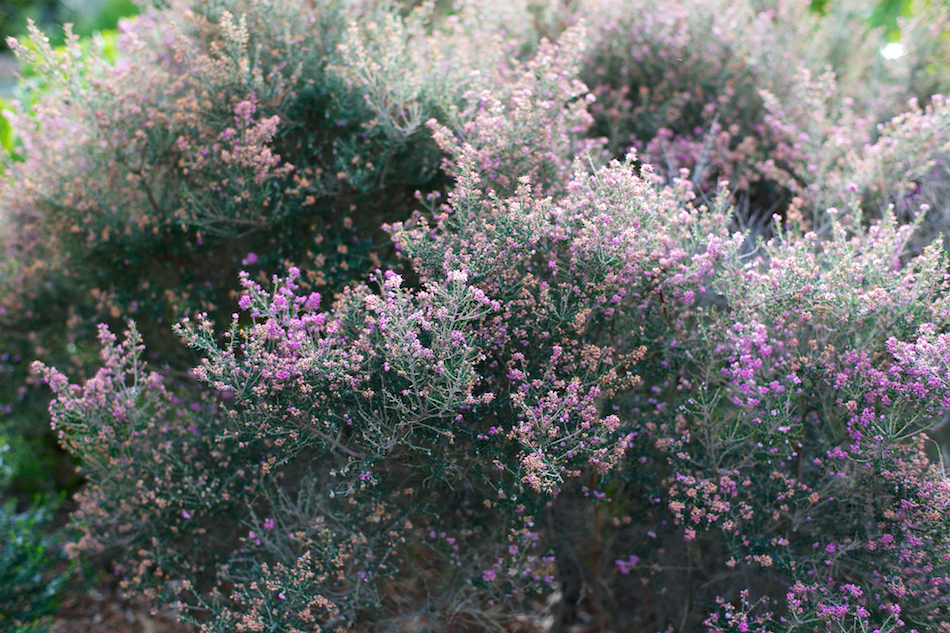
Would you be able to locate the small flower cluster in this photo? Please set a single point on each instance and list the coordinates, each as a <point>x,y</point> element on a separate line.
<point>742,620</point>
<point>159,467</point>
<point>532,128</point>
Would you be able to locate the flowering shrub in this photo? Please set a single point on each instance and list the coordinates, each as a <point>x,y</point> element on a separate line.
<point>509,379</point>
<point>162,471</point>
<point>904,168</point>
<point>219,134</point>
<point>693,84</point>
<point>145,171</point>
<point>571,390</point>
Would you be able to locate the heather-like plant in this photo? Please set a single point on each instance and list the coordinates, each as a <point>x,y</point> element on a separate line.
<point>582,391</point>
<point>532,127</point>
<point>676,83</point>
<point>164,472</point>
<point>207,136</point>
<point>835,163</point>
<point>561,347</point>
<point>172,145</point>
<point>683,84</point>
<point>821,447</point>
<point>233,131</point>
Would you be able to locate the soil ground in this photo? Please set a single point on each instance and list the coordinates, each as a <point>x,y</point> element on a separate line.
<point>96,611</point>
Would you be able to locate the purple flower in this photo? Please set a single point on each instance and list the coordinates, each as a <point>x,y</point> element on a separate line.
<point>626,565</point>
<point>313,301</point>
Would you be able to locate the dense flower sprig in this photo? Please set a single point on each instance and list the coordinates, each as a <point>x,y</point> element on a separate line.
<point>161,470</point>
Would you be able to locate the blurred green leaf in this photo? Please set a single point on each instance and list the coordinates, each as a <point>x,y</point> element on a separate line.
<point>886,13</point>
<point>819,6</point>
<point>8,138</point>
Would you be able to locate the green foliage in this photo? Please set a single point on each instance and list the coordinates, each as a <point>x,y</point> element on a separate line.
<point>819,6</point>
<point>884,14</point>
<point>50,14</point>
<point>33,570</point>
<point>104,18</point>
<point>9,143</point>
<point>31,565</point>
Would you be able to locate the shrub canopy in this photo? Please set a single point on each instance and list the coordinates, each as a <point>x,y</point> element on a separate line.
<point>478,317</point>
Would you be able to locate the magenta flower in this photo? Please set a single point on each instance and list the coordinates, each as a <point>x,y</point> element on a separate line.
<point>626,565</point>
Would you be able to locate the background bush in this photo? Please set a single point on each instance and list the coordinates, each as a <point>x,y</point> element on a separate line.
<point>477,334</point>
<point>86,16</point>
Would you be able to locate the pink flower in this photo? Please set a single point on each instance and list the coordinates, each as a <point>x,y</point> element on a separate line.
<point>626,565</point>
